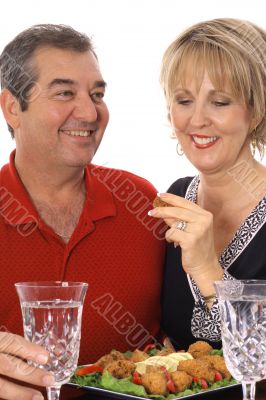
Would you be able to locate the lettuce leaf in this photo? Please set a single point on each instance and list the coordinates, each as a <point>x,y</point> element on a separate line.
<point>93,380</point>
<point>122,385</point>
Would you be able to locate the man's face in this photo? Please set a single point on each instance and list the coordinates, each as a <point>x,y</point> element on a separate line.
<point>64,124</point>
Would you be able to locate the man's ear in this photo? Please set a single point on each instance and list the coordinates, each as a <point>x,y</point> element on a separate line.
<point>10,108</point>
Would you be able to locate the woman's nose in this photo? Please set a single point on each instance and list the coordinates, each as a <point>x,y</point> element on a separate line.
<point>199,117</point>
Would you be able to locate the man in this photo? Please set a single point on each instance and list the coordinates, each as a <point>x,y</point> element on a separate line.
<point>63,218</point>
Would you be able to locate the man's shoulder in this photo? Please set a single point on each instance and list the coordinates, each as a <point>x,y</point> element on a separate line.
<point>118,177</point>
<point>5,169</point>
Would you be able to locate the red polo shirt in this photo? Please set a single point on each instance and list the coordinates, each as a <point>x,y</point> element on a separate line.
<point>115,247</point>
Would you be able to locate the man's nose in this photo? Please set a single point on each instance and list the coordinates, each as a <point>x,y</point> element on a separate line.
<point>199,116</point>
<point>85,109</point>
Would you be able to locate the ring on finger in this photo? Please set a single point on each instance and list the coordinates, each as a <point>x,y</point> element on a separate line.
<point>181,225</point>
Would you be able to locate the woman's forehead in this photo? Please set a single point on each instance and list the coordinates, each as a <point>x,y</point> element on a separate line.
<point>191,80</point>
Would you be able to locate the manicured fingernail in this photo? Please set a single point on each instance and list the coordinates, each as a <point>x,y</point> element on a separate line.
<point>41,358</point>
<point>48,380</point>
<point>152,212</point>
<point>38,397</point>
<point>161,195</point>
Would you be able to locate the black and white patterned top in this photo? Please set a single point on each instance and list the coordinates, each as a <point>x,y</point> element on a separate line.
<point>244,257</point>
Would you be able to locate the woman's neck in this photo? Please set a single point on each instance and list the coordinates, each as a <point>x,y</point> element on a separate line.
<point>243,184</point>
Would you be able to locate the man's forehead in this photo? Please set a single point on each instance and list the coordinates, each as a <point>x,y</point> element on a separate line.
<point>53,63</point>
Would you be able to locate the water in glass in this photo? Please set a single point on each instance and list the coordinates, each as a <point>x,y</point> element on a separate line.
<point>56,326</point>
<point>243,327</point>
<point>51,314</point>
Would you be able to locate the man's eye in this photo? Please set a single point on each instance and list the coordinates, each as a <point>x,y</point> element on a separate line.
<point>97,96</point>
<point>65,93</point>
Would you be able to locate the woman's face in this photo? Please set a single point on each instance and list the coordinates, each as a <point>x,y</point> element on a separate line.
<point>211,126</point>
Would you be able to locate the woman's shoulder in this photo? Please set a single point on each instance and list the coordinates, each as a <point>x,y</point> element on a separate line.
<point>179,187</point>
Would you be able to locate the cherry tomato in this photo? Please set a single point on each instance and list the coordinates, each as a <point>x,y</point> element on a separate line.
<point>218,376</point>
<point>204,383</point>
<point>149,347</point>
<point>89,370</point>
<point>171,386</point>
<point>137,378</point>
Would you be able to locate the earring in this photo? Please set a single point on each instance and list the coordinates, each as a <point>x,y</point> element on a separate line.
<point>253,143</point>
<point>179,149</point>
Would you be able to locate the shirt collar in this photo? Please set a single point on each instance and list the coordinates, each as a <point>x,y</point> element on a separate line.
<point>16,206</point>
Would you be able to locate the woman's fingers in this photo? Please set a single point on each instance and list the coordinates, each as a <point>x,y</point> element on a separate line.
<point>178,201</point>
<point>11,391</point>
<point>179,209</point>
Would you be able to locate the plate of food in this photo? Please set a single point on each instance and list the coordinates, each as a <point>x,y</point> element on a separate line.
<point>160,374</point>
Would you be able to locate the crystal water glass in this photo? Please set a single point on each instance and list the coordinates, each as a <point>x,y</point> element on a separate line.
<point>243,326</point>
<point>51,313</point>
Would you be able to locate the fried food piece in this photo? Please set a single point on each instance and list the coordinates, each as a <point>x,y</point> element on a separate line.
<point>199,349</point>
<point>164,352</point>
<point>121,368</point>
<point>153,368</point>
<point>138,356</point>
<point>197,368</point>
<point>158,202</point>
<point>110,358</point>
<point>218,364</point>
<point>154,382</point>
<point>181,380</point>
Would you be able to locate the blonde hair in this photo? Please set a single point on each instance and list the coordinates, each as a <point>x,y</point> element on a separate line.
<point>233,52</point>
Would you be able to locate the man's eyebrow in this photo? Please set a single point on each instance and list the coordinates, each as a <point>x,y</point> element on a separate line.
<point>61,81</point>
<point>102,84</point>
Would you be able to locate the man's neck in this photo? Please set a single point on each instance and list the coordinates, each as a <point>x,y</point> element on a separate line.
<point>51,185</point>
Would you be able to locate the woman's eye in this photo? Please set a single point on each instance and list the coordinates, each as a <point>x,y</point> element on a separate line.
<point>221,103</point>
<point>183,102</point>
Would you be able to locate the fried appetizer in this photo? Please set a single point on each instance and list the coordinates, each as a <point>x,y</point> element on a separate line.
<point>218,364</point>
<point>110,358</point>
<point>158,202</point>
<point>121,368</point>
<point>197,368</point>
<point>138,356</point>
<point>154,382</point>
<point>164,352</point>
<point>181,380</point>
<point>153,368</point>
<point>199,349</point>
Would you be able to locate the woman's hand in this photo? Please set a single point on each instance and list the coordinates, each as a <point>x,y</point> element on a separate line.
<point>196,240</point>
<point>14,352</point>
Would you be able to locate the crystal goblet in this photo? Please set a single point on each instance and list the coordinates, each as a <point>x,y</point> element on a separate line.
<point>243,326</point>
<point>51,313</point>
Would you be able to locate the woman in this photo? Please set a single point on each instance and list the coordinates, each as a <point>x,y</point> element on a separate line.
<point>214,79</point>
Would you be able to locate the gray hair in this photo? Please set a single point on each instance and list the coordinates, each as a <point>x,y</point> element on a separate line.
<point>18,72</point>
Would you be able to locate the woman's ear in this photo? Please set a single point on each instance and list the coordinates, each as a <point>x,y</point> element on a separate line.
<point>10,108</point>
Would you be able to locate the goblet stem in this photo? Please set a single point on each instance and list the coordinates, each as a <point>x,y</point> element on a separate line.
<point>53,392</point>
<point>249,390</point>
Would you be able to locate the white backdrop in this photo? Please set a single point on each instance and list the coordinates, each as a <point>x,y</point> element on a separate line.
<point>130,37</point>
